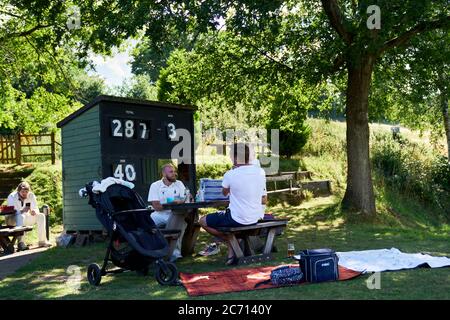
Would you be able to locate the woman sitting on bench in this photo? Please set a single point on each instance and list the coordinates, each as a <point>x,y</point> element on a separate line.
<point>246,186</point>
<point>27,214</point>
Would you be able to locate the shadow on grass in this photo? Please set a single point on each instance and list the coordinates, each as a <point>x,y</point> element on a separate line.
<point>316,224</point>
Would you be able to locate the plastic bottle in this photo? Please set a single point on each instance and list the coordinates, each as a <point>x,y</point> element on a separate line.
<point>197,197</point>
<point>187,197</point>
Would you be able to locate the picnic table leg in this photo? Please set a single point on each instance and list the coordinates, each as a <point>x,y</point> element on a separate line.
<point>6,244</point>
<point>248,246</point>
<point>176,222</point>
<point>236,247</point>
<point>3,243</point>
<point>172,244</point>
<point>190,234</point>
<point>269,241</point>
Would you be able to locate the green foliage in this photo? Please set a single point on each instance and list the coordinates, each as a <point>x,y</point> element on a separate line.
<point>212,171</point>
<point>88,87</point>
<point>224,99</point>
<point>233,89</point>
<point>284,40</point>
<point>411,88</point>
<point>413,169</point>
<point>42,76</point>
<point>138,87</point>
<point>46,183</point>
<point>36,114</point>
<point>291,164</point>
<point>327,139</point>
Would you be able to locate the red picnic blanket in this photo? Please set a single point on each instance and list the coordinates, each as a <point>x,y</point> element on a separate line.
<point>234,280</point>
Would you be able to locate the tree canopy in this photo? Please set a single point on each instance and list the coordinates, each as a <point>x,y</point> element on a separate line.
<point>309,41</point>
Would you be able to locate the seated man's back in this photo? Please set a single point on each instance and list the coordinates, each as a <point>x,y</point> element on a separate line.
<point>247,186</point>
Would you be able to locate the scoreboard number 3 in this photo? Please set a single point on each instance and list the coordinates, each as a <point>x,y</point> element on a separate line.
<point>171,131</point>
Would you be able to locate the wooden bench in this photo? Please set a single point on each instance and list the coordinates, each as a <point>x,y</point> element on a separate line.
<point>8,231</point>
<point>267,229</point>
<point>8,237</point>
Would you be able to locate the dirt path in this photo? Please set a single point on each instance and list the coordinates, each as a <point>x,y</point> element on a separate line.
<point>12,262</point>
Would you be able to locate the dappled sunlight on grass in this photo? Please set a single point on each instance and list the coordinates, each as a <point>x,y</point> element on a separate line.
<point>318,223</point>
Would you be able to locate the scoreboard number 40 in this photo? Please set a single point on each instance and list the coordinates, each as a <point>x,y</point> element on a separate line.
<point>124,172</point>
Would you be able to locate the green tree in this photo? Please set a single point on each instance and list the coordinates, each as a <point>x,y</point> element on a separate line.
<point>312,39</point>
<point>414,90</point>
<point>42,78</point>
<point>138,87</point>
<point>237,88</point>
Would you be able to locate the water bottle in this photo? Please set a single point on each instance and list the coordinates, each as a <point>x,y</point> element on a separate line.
<point>187,196</point>
<point>197,197</point>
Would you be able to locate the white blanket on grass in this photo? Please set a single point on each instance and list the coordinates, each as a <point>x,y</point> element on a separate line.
<point>387,260</point>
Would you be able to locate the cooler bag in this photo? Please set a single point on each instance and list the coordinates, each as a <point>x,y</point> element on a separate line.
<point>319,265</point>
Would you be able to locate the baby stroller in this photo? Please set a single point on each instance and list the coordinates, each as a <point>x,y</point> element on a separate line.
<point>135,241</point>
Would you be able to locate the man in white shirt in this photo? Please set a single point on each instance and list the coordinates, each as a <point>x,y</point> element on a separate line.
<point>167,190</point>
<point>27,214</point>
<point>247,189</point>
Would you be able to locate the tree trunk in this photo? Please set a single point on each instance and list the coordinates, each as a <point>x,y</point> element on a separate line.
<point>359,195</point>
<point>444,104</point>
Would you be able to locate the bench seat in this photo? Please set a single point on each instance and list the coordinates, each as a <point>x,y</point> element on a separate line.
<point>11,231</point>
<point>6,232</point>
<point>267,229</point>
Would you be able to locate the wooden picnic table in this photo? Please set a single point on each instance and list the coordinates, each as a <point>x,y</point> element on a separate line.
<point>189,212</point>
<point>9,234</point>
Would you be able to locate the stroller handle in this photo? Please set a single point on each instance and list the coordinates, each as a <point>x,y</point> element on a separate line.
<point>133,211</point>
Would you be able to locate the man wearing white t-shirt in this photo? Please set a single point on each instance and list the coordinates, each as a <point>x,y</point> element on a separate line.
<point>163,191</point>
<point>247,189</point>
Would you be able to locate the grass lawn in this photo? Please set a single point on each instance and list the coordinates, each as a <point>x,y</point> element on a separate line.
<point>314,224</point>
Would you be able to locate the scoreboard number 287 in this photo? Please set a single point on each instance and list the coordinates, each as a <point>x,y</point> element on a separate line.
<point>131,129</point>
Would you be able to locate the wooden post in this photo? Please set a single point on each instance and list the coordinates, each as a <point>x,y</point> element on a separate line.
<point>18,149</point>
<point>1,149</point>
<point>46,211</point>
<point>53,147</point>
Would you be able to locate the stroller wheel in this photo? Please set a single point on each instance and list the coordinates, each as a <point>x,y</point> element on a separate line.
<point>94,274</point>
<point>166,273</point>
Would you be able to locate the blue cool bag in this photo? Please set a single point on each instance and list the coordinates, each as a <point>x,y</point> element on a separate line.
<point>319,265</point>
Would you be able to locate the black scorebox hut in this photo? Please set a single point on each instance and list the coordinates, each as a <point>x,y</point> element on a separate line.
<point>124,138</point>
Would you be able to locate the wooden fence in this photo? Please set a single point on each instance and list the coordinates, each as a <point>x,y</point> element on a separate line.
<point>11,147</point>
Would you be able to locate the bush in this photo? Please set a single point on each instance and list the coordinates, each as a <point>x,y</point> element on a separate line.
<point>46,183</point>
<point>292,141</point>
<point>212,171</point>
<point>413,169</point>
<point>327,139</point>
